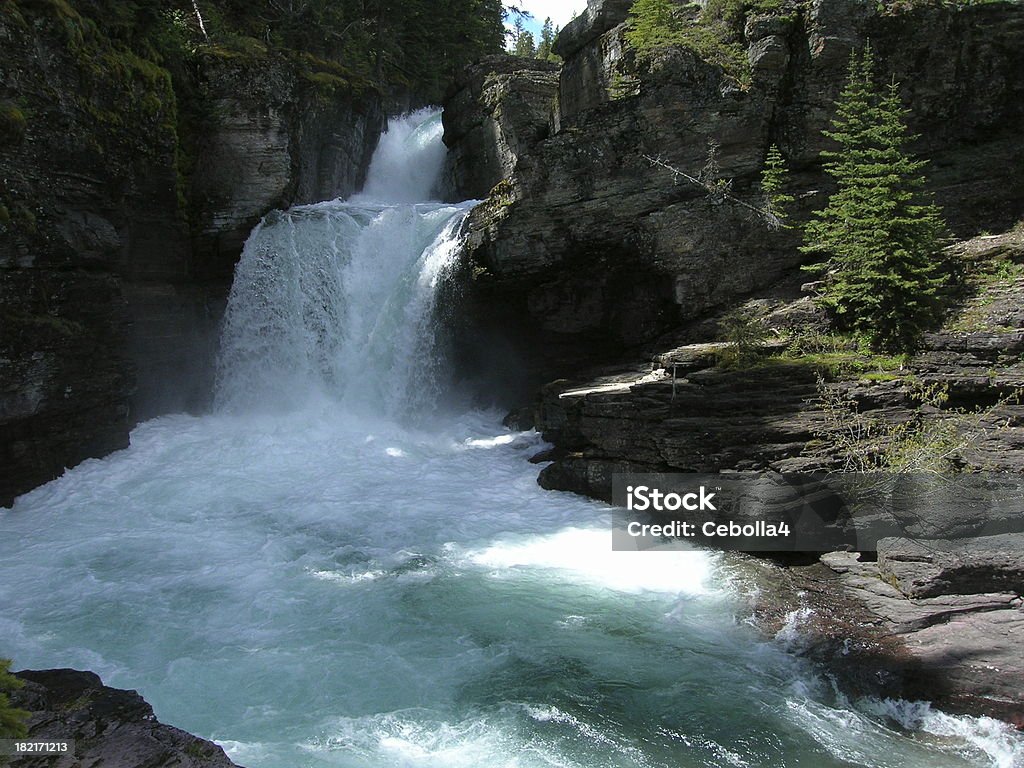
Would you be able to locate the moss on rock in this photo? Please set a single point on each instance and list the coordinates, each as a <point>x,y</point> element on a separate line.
<point>12,124</point>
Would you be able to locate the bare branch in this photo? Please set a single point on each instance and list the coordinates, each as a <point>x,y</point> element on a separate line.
<point>718,190</point>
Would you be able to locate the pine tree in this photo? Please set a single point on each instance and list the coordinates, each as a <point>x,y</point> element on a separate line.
<point>879,233</point>
<point>774,177</point>
<point>547,40</point>
<point>524,45</point>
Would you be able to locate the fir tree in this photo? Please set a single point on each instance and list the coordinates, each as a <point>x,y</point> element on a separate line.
<point>547,40</point>
<point>774,177</point>
<point>879,233</point>
<point>524,45</point>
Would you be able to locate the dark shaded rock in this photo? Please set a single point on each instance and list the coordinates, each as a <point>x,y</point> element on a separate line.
<point>110,727</point>
<point>933,567</point>
<point>109,300</point>
<point>594,70</point>
<point>276,141</point>
<point>65,378</point>
<point>496,109</point>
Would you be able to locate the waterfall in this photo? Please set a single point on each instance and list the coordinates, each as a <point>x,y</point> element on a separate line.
<point>336,300</point>
<point>324,587</point>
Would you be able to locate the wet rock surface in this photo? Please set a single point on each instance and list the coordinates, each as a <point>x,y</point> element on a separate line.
<point>960,651</point>
<point>110,727</point>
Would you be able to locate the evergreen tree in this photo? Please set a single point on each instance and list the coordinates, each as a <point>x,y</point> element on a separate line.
<point>547,40</point>
<point>652,24</point>
<point>524,44</point>
<point>774,177</point>
<point>12,721</point>
<point>879,234</point>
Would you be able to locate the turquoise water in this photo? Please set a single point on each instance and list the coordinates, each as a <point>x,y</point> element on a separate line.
<point>339,567</point>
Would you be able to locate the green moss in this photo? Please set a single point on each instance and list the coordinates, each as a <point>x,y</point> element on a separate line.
<point>74,29</point>
<point>883,376</point>
<point>236,48</point>
<point>12,124</point>
<point>844,363</point>
<point>714,33</point>
<point>501,196</point>
<point>5,215</point>
<point>328,76</point>
<point>12,14</point>
<point>22,219</point>
<point>325,83</point>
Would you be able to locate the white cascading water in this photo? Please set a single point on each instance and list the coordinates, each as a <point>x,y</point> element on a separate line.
<point>337,299</point>
<point>312,580</point>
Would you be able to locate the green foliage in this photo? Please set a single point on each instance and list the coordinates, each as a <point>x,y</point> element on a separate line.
<point>414,46</point>
<point>12,720</point>
<point>835,355</point>
<point>12,124</point>
<point>746,334</point>
<point>774,178</point>
<point>622,86</point>
<point>524,45</point>
<point>715,35</point>
<point>879,234</point>
<point>933,441</point>
<point>547,41</point>
<point>735,12</point>
<point>653,25</point>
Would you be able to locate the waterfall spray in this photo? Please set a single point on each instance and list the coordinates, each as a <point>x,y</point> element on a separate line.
<point>337,299</point>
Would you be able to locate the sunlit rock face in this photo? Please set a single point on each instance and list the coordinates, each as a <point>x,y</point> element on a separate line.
<point>588,248</point>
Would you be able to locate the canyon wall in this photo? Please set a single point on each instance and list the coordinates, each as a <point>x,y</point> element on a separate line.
<point>122,211</point>
<point>587,248</point>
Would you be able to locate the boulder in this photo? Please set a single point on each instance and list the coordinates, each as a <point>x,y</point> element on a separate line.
<point>109,727</point>
<point>932,567</point>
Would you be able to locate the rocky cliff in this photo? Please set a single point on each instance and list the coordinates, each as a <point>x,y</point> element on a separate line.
<point>115,252</point>
<point>677,408</point>
<point>614,285</point>
<point>587,248</point>
<point>108,726</point>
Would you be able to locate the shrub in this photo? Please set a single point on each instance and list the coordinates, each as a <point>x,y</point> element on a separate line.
<point>12,720</point>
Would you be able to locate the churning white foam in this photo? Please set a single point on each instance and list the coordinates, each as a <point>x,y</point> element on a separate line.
<point>583,554</point>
